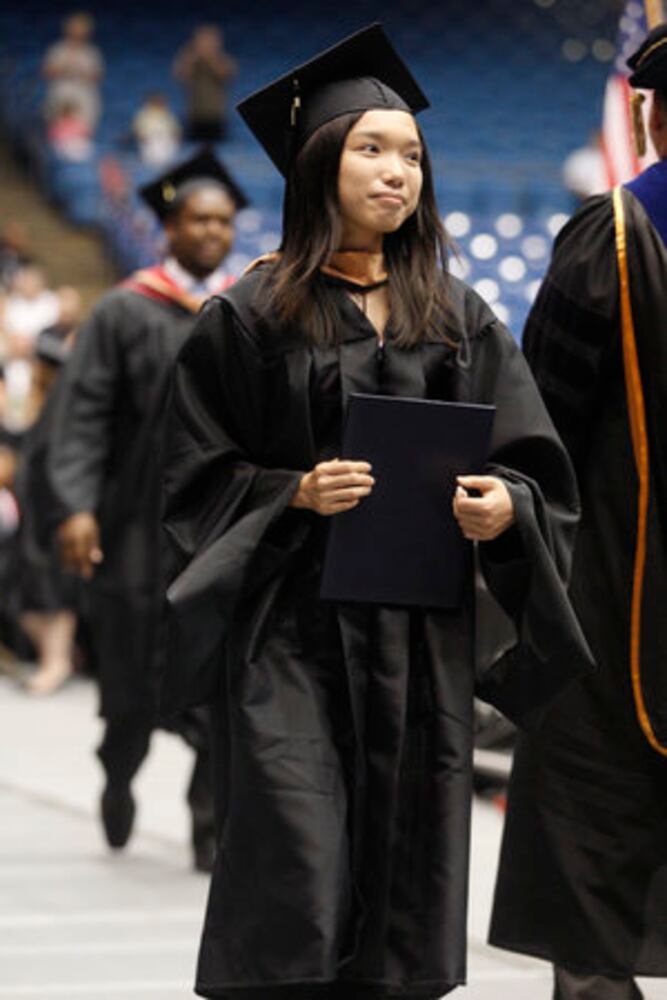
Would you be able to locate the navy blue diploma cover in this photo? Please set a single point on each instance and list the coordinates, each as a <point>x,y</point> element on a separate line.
<point>402,544</point>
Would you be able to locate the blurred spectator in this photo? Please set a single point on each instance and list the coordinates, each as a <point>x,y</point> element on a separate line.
<point>7,467</point>
<point>70,309</point>
<point>205,70</point>
<point>584,171</point>
<point>14,251</point>
<point>156,130</point>
<point>28,308</point>
<point>17,396</point>
<point>73,68</point>
<point>46,595</point>
<point>69,134</point>
<point>114,180</point>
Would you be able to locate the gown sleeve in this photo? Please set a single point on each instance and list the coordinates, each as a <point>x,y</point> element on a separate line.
<point>569,336</point>
<point>80,440</point>
<point>527,568</point>
<point>219,498</point>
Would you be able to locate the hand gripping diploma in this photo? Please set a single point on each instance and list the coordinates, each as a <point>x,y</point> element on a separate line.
<point>482,518</point>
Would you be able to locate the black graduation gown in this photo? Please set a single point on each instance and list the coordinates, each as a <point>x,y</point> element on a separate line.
<point>346,729</point>
<point>583,870</point>
<point>104,457</point>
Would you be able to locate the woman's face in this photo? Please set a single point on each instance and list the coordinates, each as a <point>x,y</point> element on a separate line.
<point>380,177</point>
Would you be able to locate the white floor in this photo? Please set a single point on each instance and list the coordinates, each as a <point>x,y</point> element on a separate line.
<point>77,922</point>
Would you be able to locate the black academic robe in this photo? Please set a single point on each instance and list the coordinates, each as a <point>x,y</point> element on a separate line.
<point>104,457</point>
<point>583,871</point>
<point>346,730</point>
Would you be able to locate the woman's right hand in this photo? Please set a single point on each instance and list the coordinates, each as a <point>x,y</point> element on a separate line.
<point>333,487</point>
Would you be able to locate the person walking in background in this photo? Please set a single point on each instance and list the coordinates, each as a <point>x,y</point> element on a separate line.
<point>104,466</point>
<point>47,597</point>
<point>345,729</point>
<point>73,69</point>
<point>583,870</point>
<point>205,69</point>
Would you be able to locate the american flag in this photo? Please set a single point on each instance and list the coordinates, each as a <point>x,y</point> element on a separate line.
<point>618,148</point>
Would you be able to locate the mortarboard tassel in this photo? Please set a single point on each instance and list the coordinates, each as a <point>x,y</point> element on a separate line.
<point>296,103</point>
<point>637,118</point>
<point>292,147</point>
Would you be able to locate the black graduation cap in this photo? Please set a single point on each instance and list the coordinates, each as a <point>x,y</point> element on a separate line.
<point>162,194</point>
<point>650,61</point>
<point>361,73</point>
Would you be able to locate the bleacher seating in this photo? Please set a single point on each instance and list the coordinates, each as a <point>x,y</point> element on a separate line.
<point>514,87</point>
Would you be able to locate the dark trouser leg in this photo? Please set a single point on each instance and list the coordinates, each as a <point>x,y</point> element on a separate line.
<point>571,986</point>
<point>200,800</point>
<point>194,727</point>
<point>124,747</point>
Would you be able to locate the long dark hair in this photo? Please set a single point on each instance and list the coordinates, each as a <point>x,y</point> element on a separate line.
<point>415,254</point>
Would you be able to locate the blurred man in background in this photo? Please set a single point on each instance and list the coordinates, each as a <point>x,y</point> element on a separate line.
<point>105,472</point>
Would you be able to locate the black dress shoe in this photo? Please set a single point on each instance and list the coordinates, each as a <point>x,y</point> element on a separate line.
<point>204,855</point>
<point>117,809</point>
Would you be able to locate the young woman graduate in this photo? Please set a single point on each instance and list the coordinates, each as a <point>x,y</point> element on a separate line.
<point>345,729</point>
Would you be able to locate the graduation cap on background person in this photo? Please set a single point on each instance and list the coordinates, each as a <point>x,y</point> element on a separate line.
<point>165,194</point>
<point>361,73</point>
<point>649,65</point>
<point>649,62</point>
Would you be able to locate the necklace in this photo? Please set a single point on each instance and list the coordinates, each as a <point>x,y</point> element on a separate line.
<point>360,295</point>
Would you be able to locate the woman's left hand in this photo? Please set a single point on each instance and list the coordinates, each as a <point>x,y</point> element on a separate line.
<point>483,518</point>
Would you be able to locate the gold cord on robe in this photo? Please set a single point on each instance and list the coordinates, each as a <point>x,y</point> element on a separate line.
<point>640,447</point>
